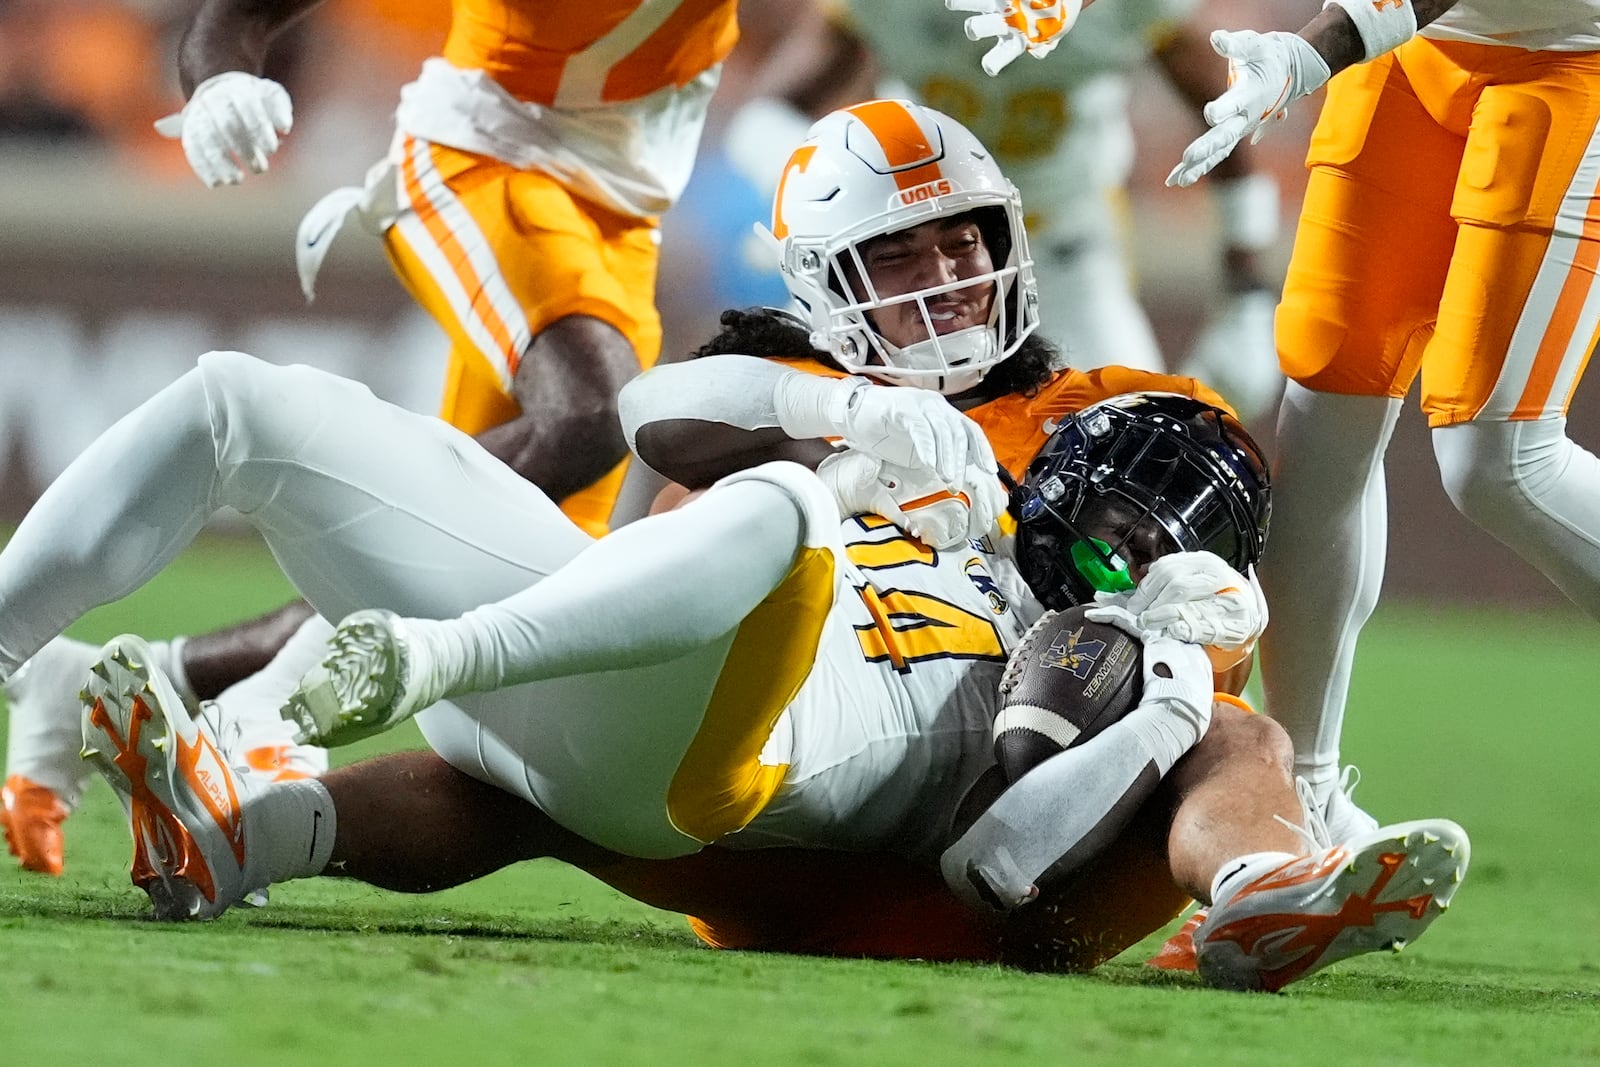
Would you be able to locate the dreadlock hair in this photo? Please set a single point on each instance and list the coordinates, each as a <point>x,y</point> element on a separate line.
<point>773,332</point>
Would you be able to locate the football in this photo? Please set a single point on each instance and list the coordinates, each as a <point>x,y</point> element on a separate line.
<point>1068,679</point>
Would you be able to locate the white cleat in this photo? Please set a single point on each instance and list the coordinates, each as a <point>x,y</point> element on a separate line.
<point>364,686</point>
<point>1344,818</point>
<point>185,802</point>
<point>1277,925</point>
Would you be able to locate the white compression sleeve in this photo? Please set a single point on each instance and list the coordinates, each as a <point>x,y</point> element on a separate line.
<point>741,391</point>
<point>1324,571</point>
<point>650,592</point>
<point>1061,813</point>
<point>1066,810</point>
<point>1533,489</point>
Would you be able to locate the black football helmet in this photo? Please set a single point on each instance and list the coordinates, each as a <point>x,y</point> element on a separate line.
<point>1133,478</point>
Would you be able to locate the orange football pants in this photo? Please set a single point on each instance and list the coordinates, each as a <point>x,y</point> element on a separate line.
<point>828,903</point>
<point>1450,228</point>
<point>495,255</point>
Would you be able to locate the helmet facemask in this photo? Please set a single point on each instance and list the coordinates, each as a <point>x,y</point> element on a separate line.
<point>1112,492</point>
<point>879,169</point>
<point>850,322</point>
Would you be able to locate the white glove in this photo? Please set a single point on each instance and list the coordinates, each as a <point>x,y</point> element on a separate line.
<point>1237,355</point>
<point>1189,596</point>
<point>1177,676</point>
<point>230,125</point>
<point>1266,73</point>
<point>913,500</point>
<point>903,425</point>
<point>1018,26</point>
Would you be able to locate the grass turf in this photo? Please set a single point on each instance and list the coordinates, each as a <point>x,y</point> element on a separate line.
<point>1477,715</point>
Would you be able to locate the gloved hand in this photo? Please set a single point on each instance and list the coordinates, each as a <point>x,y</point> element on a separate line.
<point>913,500</point>
<point>1177,676</point>
<point>1266,73</point>
<point>1189,596</point>
<point>230,125</point>
<point>902,425</point>
<point>1018,26</point>
<point>1236,353</point>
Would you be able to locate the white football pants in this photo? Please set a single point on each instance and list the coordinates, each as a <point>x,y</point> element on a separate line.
<point>366,505</point>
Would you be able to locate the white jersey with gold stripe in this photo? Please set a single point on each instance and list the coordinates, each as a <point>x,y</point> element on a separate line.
<point>892,725</point>
<point>1060,128</point>
<point>1537,25</point>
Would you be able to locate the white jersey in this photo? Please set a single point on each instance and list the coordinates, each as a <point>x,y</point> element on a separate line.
<point>893,724</point>
<point>1059,129</point>
<point>1542,25</point>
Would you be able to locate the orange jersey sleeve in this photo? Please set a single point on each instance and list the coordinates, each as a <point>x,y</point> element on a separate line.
<point>1018,425</point>
<point>601,51</point>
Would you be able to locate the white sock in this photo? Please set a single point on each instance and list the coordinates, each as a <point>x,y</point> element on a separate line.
<point>654,590</point>
<point>253,703</point>
<point>292,826</point>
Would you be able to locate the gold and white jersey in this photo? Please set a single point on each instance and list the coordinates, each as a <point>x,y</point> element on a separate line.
<point>892,725</point>
<point>1537,25</point>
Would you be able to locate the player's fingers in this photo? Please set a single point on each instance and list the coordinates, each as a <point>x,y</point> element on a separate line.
<point>953,456</point>
<point>279,110</point>
<point>980,6</point>
<point>1005,50</point>
<point>979,452</point>
<point>1207,150</point>
<point>210,161</point>
<point>979,27</point>
<point>1232,45</point>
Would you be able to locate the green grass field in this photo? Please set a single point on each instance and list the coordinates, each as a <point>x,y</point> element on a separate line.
<point>1485,718</point>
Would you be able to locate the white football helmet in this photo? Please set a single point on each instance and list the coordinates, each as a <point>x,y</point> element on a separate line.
<point>877,168</point>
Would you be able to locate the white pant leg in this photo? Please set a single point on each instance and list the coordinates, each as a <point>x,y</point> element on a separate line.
<point>1527,484</point>
<point>1322,568</point>
<point>1087,305</point>
<point>602,751</point>
<point>363,504</point>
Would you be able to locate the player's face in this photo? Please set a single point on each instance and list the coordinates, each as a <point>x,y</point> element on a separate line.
<point>1131,534</point>
<point>923,257</point>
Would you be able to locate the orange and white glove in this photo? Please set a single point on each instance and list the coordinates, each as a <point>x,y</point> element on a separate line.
<point>230,126</point>
<point>1266,73</point>
<point>1018,26</point>
<point>916,501</point>
<point>1190,596</point>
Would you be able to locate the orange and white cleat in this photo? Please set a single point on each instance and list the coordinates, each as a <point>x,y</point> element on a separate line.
<point>31,816</point>
<point>184,800</point>
<point>1275,922</point>
<point>1177,953</point>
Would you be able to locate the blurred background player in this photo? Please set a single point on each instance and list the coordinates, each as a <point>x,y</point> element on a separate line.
<point>519,205</point>
<point>1463,157</point>
<point>1062,131</point>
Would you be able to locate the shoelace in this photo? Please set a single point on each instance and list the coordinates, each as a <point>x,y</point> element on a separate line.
<point>227,734</point>
<point>1315,830</point>
<point>1349,778</point>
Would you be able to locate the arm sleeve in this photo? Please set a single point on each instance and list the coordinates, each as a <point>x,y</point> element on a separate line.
<point>738,391</point>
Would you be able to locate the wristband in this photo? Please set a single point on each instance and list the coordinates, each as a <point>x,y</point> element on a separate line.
<point>1384,25</point>
<point>1249,210</point>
